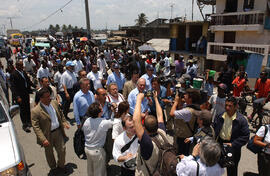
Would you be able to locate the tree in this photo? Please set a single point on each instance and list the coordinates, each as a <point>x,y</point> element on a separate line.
<point>64,28</point>
<point>51,28</point>
<point>57,27</point>
<point>142,19</point>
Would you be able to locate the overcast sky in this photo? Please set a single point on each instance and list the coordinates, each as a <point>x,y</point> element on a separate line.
<point>26,13</point>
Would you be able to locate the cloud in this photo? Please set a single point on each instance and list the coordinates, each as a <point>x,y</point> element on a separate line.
<point>102,12</point>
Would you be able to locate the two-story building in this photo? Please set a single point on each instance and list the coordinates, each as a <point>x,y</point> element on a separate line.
<point>241,25</point>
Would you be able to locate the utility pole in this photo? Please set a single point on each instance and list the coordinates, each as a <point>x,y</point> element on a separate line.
<point>172,9</point>
<point>87,19</point>
<point>192,10</point>
<point>10,20</point>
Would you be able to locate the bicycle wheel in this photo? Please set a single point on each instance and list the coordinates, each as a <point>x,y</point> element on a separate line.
<point>259,121</point>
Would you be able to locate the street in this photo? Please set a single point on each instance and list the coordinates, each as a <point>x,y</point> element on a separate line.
<point>35,155</point>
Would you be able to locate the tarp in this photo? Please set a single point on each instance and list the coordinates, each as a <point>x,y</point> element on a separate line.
<point>160,44</point>
<point>254,65</point>
<point>146,47</point>
<point>47,45</point>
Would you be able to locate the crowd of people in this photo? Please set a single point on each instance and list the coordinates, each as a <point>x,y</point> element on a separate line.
<point>128,103</point>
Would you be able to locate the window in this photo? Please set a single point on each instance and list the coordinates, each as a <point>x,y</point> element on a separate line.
<point>248,5</point>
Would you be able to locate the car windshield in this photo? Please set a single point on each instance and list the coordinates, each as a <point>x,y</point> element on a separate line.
<point>3,115</point>
<point>2,42</point>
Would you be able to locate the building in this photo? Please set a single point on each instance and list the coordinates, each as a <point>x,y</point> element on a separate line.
<point>189,37</point>
<point>241,25</point>
<point>159,28</point>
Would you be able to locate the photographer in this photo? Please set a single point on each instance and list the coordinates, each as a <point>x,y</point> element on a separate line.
<point>162,95</point>
<point>208,152</point>
<point>185,118</point>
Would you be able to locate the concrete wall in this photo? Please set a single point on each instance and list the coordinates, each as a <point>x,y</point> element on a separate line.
<point>219,36</point>
<point>220,6</point>
<point>253,37</point>
<point>258,5</point>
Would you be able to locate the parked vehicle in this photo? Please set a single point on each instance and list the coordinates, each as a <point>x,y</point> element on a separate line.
<point>15,39</point>
<point>12,160</point>
<point>2,47</point>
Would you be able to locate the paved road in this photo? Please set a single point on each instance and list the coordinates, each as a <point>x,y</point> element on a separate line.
<point>35,156</point>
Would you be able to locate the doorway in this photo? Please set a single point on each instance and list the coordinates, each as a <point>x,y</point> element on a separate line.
<point>231,6</point>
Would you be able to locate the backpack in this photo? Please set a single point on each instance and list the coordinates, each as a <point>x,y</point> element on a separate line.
<point>167,159</point>
<point>79,140</point>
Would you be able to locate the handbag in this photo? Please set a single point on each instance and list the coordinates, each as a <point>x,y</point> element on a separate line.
<point>253,147</point>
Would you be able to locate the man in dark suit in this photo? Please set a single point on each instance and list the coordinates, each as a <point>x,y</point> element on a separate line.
<point>137,64</point>
<point>21,88</point>
<point>48,123</point>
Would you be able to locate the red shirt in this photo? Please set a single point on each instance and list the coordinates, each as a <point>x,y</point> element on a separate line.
<point>263,88</point>
<point>240,84</point>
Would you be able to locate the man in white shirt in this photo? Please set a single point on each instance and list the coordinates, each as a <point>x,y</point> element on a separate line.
<point>29,64</point>
<point>96,76</point>
<point>125,147</point>
<point>113,95</point>
<point>78,65</point>
<point>43,71</point>
<point>48,123</point>
<point>67,80</point>
<point>102,64</point>
<point>95,130</point>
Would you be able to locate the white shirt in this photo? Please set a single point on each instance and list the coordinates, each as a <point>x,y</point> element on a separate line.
<point>68,79</point>
<point>117,128</point>
<point>120,142</point>
<point>43,72</point>
<point>261,132</point>
<point>101,63</point>
<point>188,167</point>
<point>117,100</point>
<point>96,78</point>
<point>95,132</point>
<point>57,78</point>
<point>218,105</point>
<point>28,66</point>
<point>78,66</point>
<point>52,113</point>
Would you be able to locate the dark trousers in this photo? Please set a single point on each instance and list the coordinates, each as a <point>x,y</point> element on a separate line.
<point>66,103</point>
<point>25,113</point>
<point>263,164</point>
<point>232,171</point>
<point>127,172</point>
<point>182,147</point>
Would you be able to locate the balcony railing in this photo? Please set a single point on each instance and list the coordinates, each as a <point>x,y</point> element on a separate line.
<point>217,51</point>
<point>238,18</point>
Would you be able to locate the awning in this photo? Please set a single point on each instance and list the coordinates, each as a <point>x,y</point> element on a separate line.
<point>160,44</point>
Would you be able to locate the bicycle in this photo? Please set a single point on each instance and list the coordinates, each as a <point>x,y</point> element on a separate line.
<point>262,118</point>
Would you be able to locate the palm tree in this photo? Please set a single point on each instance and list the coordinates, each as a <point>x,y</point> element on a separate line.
<point>142,19</point>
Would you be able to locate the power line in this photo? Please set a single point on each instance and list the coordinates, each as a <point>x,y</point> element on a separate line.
<point>44,19</point>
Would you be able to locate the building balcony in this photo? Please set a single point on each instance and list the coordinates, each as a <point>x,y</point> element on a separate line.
<point>217,51</point>
<point>238,21</point>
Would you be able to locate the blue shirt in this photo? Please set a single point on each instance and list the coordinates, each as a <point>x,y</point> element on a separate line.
<point>148,81</point>
<point>209,88</point>
<point>132,98</point>
<point>106,113</point>
<point>81,102</point>
<point>114,78</point>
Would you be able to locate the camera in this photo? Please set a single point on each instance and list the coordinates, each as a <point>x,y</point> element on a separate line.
<point>148,93</point>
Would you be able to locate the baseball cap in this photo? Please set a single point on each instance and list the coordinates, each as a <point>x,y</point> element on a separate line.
<point>116,66</point>
<point>149,67</point>
<point>129,51</point>
<point>70,63</point>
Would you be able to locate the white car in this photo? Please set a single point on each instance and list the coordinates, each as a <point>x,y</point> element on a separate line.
<point>12,160</point>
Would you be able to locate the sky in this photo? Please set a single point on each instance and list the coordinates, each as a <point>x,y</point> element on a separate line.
<point>27,14</point>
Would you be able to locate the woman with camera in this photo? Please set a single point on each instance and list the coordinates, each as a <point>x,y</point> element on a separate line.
<point>262,139</point>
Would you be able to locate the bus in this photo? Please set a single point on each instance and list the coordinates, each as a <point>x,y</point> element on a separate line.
<point>15,39</point>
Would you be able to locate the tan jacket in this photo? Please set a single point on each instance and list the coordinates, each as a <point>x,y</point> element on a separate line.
<point>128,87</point>
<point>41,121</point>
<point>141,169</point>
<point>181,128</point>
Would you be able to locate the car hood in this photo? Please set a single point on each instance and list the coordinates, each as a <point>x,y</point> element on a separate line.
<point>8,151</point>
